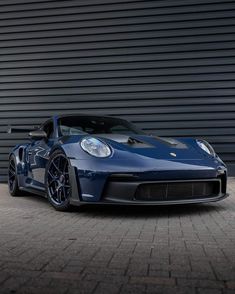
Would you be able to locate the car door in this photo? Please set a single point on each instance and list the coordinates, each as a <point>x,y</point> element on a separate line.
<point>38,154</point>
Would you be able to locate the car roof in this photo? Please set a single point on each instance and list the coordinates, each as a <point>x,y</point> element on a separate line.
<point>84,115</point>
<point>55,117</point>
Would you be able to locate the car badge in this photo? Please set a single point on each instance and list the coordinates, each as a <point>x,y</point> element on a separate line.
<point>173,154</point>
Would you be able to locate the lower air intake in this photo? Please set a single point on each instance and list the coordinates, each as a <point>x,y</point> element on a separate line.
<point>177,191</point>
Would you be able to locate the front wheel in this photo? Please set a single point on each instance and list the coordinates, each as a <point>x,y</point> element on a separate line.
<point>57,181</point>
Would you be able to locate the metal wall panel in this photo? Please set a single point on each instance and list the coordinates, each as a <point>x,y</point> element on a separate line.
<point>167,65</point>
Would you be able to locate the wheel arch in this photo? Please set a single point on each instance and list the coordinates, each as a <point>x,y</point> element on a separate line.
<point>75,183</point>
<point>57,148</point>
<point>56,151</point>
<point>19,151</point>
<point>20,154</point>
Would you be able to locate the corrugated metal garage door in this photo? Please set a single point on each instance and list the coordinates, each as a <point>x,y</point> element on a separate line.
<point>167,65</point>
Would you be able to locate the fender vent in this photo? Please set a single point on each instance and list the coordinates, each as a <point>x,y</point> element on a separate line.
<point>21,153</point>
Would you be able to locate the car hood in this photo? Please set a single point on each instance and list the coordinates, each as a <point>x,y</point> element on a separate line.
<point>155,147</point>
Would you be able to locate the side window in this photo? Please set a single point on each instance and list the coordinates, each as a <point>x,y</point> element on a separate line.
<point>48,128</point>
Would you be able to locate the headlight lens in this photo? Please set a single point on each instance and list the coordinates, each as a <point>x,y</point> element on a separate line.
<point>204,145</point>
<point>95,147</point>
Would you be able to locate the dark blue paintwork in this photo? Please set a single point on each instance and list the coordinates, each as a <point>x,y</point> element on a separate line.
<point>155,160</point>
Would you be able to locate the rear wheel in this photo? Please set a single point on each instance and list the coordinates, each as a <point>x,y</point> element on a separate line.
<point>12,178</point>
<point>58,182</point>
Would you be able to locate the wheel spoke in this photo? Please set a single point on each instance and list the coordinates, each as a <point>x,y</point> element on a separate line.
<point>59,194</point>
<point>52,181</point>
<point>12,172</point>
<point>51,175</point>
<point>54,194</point>
<point>59,163</point>
<point>12,166</point>
<point>56,167</point>
<point>12,176</point>
<point>64,192</point>
<point>58,180</point>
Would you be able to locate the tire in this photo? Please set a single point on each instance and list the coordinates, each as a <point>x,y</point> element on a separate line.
<point>13,185</point>
<point>57,181</point>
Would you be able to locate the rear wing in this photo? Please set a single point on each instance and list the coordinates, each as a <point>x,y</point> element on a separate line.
<point>22,129</point>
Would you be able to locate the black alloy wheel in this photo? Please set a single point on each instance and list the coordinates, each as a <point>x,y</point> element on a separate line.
<point>58,182</point>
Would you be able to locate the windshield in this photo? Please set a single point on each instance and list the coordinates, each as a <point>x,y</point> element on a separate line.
<point>77,125</point>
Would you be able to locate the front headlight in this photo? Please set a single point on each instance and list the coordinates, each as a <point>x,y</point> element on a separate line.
<point>204,145</point>
<point>95,147</point>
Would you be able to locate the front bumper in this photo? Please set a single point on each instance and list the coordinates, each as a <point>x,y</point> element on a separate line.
<point>153,187</point>
<point>164,192</point>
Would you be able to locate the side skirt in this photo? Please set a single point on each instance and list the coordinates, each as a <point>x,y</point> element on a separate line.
<point>34,191</point>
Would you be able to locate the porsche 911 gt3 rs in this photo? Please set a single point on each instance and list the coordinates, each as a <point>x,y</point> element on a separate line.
<point>84,159</point>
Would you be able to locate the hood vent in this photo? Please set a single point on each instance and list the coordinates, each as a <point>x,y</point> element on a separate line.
<point>172,142</point>
<point>126,140</point>
<point>133,141</point>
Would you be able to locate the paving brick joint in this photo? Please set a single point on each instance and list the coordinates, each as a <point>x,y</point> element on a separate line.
<point>97,249</point>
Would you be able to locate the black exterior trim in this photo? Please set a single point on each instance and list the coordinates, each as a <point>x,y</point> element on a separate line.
<point>129,191</point>
<point>155,203</point>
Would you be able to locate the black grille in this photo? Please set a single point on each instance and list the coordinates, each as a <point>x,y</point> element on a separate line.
<point>177,191</point>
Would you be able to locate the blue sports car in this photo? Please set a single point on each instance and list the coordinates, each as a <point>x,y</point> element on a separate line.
<point>81,159</point>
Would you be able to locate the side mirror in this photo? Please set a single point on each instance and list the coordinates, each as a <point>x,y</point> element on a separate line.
<point>38,135</point>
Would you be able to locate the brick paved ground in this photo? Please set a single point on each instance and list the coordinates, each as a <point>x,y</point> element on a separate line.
<point>188,249</point>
